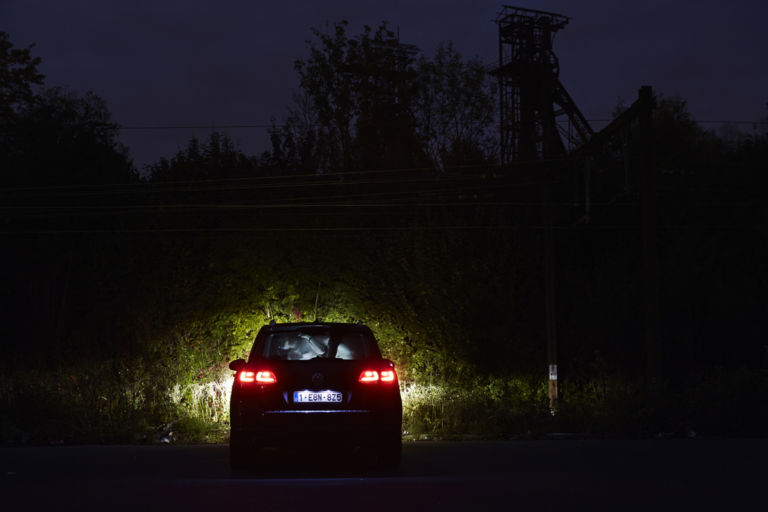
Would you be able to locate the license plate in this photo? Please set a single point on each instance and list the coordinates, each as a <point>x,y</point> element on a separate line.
<point>327,396</point>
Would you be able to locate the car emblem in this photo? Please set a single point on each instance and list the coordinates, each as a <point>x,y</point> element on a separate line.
<point>318,379</point>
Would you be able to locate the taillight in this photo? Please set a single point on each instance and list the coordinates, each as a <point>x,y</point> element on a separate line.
<point>262,377</point>
<point>371,376</point>
<point>266,377</point>
<point>247,376</point>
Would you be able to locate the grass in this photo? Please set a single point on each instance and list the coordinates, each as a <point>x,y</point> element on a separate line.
<point>43,407</point>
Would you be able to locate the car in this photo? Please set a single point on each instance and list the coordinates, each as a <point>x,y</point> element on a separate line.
<point>309,387</point>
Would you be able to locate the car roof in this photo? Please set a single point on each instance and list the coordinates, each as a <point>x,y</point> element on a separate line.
<point>299,325</point>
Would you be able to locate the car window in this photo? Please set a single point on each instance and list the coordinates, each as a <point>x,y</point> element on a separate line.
<point>297,345</point>
<point>352,346</point>
<point>312,342</point>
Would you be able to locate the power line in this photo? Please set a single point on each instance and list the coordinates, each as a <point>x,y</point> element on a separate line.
<point>313,175</point>
<point>99,209</point>
<point>364,229</point>
<point>489,123</point>
<point>197,127</point>
<point>310,179</point>
<point>274,206</point>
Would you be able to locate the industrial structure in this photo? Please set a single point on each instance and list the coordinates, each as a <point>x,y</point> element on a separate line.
<point>536,112</point>
<point>542,129</point>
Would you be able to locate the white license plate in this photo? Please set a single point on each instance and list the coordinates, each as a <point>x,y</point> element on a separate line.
<point>327,396</point>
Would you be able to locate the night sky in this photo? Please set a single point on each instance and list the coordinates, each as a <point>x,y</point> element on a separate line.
<point>231,62</point>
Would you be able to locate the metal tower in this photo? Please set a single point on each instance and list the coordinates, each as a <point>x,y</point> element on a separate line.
<point>531,97</point>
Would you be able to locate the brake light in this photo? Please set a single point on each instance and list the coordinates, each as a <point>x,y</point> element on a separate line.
<point>262,377</point>
<point>266,377</point>
<point>247,376</point>
<point>369,376</point>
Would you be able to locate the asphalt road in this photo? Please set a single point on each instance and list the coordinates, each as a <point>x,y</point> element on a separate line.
<point>649,475</point>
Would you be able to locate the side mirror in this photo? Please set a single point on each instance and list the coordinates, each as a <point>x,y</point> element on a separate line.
<point>237,365</point>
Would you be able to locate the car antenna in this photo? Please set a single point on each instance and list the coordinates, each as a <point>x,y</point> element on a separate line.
<point>317,296</point>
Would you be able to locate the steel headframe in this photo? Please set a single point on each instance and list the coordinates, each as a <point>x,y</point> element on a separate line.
<point>532,101</point>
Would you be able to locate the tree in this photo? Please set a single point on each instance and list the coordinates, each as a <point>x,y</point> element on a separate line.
<point>385,79</point>
<point>324,77</point>
<point>370,101</point>
<point>680,145</point>
<point>54,136</point>
<point>362,91</point>
<point>679,142</point>
<point>62,138</point>
<point>298,142</point>
<point>218,157</point>
<point>454,109</point>
<point>18,73</point>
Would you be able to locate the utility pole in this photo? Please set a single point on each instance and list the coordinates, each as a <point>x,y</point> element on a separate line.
<point>650,246</point>
<point>531,99</point>
<point>549,294</point>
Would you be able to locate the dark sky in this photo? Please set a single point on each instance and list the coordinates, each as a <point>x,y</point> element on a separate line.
<point>208,63</point>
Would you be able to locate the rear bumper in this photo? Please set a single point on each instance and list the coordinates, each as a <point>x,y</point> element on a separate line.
<point>314,428</point>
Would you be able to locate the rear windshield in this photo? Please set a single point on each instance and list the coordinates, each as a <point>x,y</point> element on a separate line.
<point>311,343</point>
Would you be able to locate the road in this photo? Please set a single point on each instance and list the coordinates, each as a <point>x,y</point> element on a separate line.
<point>492,475</point>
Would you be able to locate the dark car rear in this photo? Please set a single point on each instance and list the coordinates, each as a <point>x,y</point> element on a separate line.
<point>310,386</point>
